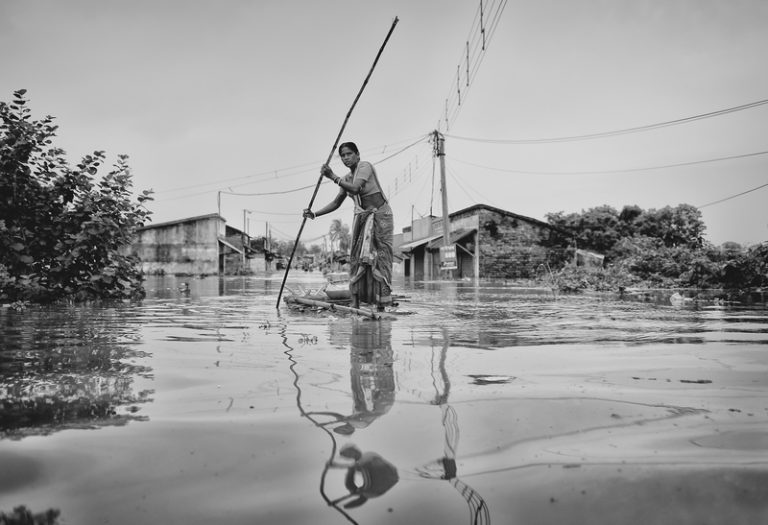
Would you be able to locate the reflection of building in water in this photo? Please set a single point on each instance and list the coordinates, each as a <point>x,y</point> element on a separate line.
<point>372,378</point>
<point>444,468</point>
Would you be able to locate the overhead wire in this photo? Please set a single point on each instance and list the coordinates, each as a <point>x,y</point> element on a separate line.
<point>421,139</point>
<point>477,38</point>
<point>480,57</point>
<point>474,199</point>
<point>272,173</point>
<point>622,170</point>
<point>733,196</point>
<point>279,173</point>
<point>461,186</point>
<point>617,132</point>
<point>261,212</point>
<point>286,236</point>
<point>472,55</point>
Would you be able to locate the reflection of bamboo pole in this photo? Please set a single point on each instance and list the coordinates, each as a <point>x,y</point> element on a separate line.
<point>305,414</point>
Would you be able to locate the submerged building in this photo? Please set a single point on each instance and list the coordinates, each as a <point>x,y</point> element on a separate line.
<point>203,245</point>
<point>484,242</point>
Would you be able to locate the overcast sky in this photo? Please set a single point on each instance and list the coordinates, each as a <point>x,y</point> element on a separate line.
<point>248,97</point>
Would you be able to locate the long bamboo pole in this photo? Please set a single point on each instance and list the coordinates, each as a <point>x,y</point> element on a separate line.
<point>330,156</point>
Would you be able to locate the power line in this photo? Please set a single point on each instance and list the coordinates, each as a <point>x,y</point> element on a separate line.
<point>481,55</point>
<point>461,186</point>
<point>629,170</point>
<point>732,196</point>
<point>457,180</point>
<point>285,235</point>
<point>481,31</point>
<point>409,146</point>
<point>271,173</point>
<point>266,175</point>
<point>626,170</point>
<point>284,192</point>
<point>614,133</point>
<point>270,213</point>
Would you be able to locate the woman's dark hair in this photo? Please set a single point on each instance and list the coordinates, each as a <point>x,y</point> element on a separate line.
<point>350,145</point>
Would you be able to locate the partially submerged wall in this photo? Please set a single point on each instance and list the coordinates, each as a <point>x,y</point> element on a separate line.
<point>187,247</point>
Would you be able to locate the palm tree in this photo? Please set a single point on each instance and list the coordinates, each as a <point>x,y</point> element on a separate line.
<point>339,236</point>
<point>334,232</point>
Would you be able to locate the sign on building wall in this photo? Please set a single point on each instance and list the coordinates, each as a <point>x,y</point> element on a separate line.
<point>448,257</point>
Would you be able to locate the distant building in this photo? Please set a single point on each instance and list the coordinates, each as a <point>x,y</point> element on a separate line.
<point>202,245</point>
<point>490,243</point>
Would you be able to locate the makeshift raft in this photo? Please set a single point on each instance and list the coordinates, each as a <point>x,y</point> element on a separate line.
<point>334,306</point>
<point>335,296</point>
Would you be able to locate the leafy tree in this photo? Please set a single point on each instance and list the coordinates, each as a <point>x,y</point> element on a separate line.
<point>600,228</point>
<point>21,515</point>
<point>731,249</point>
<point>663,247</point>
<point>597,229</point>
<point>747,270</point>
<point>627,218</point>
<point>679,226</point>
<point>62,231</point>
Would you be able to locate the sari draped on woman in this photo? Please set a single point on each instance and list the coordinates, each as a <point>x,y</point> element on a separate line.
<point>371,255</point>
<point>370,272</point>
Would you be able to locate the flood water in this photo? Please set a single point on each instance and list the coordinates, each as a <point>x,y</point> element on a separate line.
<point>471,405</point>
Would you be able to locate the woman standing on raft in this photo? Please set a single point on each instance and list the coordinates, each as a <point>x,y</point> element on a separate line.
<point>371,258</point>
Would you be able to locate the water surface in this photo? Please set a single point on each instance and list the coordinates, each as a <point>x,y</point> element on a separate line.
<point>472,404</point>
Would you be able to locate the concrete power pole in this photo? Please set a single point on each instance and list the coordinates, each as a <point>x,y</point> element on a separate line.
<point>440,152</point>
<point>244,237</point>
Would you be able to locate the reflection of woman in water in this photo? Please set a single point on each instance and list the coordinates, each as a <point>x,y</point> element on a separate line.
<point>368,476</point>
<point>371,376</point>
<point>373,392</point>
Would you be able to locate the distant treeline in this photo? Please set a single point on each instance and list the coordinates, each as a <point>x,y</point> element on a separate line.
<point>655,248</point>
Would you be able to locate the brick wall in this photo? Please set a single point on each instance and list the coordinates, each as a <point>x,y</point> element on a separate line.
<point>509,246</point>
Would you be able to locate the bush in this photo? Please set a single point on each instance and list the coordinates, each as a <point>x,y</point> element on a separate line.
<point>61,230</point>
<point>747,270</point>
<point>578,279</point>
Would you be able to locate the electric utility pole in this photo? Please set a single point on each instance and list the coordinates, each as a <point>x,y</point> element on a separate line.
<point>447,261</point>
<point>440,152</point>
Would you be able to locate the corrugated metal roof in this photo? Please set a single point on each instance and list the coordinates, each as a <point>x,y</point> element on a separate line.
<point>414,244</point>
<point>225,243</point>
<point>456,236</point>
